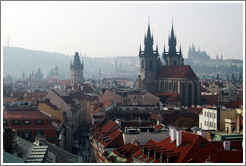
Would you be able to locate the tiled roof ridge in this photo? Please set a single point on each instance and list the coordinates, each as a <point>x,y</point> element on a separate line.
<point>194,143</point>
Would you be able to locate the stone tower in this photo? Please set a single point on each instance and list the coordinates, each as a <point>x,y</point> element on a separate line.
<point>172,57</point>
<point>149,64</point>
<point>76,69</point>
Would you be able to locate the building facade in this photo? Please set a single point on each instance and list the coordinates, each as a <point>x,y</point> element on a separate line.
<point>173,76</point>
<point>76,69</point>
<point>217,119</point>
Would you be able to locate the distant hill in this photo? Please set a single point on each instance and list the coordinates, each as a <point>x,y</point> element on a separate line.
<point>16,60</point>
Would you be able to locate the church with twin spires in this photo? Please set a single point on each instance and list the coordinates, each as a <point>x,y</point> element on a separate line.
<point>173,76</point>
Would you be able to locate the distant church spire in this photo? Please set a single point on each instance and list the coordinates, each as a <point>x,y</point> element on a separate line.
<point>76,69</point>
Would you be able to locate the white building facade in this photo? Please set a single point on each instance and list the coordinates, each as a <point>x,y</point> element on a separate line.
<point>208,119</point>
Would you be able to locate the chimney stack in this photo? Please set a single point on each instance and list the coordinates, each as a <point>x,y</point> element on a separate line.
<point>172,133</point>
<point>178,138</point>
<point>238,122</point>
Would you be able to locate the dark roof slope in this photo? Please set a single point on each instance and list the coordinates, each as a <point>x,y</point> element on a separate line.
<point>184,71</point>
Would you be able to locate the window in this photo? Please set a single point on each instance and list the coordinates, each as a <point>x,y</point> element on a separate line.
<point>214,115</point>
<point>205,115</point>
<point>26,134</point>
<point>142,64</point>
<point>211,124</point>
<point>214,125</point>
<point>15,122</point>
<point>38,121</point>
<point>38,132</point>
<point>64,113</point>
<point>27,122</point>
<point>205,123</point>
<point>210,115</point>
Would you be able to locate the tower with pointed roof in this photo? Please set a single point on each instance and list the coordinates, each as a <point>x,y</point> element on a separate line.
<point>76,69</point>
<point>149,63</point>
<point>172,57</point>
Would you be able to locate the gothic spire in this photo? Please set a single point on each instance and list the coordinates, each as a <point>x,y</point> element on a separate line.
<point>140,49</point>
<point>172,43</point>
<point>148,41</point>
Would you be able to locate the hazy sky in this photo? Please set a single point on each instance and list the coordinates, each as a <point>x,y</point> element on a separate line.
<point>104,29</point>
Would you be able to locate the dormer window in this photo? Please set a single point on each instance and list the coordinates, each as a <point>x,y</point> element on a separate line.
<point>38,121</point>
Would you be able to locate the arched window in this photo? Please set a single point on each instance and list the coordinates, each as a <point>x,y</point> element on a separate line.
<point>175,87</point>
<point>161,86</point>
<point>195,93</point>
<point>190,94</point>
<point>165,89</point>
<point>183,93</point>
<point>170,86</point>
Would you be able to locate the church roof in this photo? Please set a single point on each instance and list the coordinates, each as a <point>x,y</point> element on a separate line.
<point>184,71</point>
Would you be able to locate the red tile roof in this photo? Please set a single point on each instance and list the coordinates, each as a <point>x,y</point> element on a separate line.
<point>101,131</point>
<point>107,103</point>
<point>169,97</point>
<point>210,99</point>
<point>66,82</point>
<point>158,127</point>
<point>24,115</point>
<point>126,151</point>
<point>184,71</point>
<point>112,139</point>
<point>234,104</point>
<point>194,148</point>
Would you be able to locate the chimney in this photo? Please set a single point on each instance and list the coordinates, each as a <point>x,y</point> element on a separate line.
<point>227,145</point>
<point>238,120</point>
<point>178,138</point>
<point>172,133</point>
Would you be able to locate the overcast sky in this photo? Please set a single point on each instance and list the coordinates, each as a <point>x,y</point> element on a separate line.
<point>103,29</point>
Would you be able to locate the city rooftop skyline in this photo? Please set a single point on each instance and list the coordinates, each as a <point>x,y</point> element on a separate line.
<point>103,29</point>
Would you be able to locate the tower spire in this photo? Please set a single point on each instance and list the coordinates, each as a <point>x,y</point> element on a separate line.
<point>148,41</point>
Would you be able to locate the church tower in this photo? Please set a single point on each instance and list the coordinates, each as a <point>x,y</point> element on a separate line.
<point>172,57</point>
<point>149,63</point>
<point>76,69</point>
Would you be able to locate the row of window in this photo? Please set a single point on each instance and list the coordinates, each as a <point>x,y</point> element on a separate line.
<point>210,115</point>
<point>209,124</point>
<point>28,134</point>
<point>25,122</point>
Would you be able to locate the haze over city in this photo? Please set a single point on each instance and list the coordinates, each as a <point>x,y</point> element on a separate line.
<point>104,29</point>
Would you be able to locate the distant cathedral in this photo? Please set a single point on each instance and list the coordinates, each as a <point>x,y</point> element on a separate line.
<point>198,55</point>
<point>76,69</point>
<point>173,77</point>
